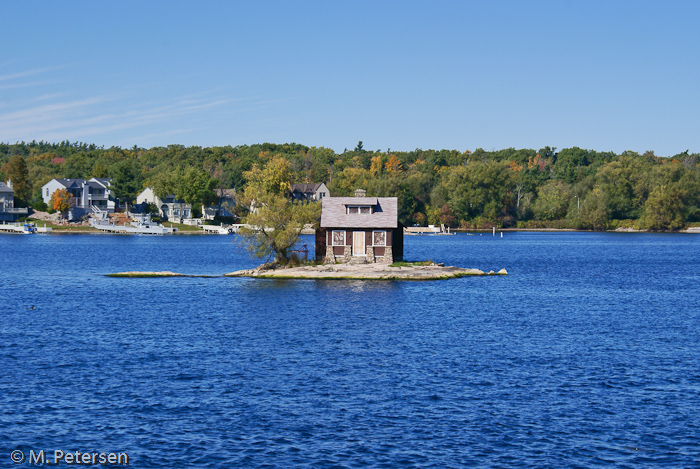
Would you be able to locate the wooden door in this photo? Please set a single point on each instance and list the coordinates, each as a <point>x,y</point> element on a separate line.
<point>358,243</point>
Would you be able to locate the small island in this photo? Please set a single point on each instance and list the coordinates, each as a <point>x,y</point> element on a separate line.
<point>359,238</point>
<point>374,271</point>
<point>399,271</point>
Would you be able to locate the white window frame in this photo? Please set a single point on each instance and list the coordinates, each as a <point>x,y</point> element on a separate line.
<point>359,209</point>
<point>333,237</point>
<point>385,235</point>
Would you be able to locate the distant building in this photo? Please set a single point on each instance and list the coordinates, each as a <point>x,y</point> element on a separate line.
<point>309,192</point>
<point>223,207</point>
<point>359,229</point>
<point>8,211</point>
<point>169,208</point>
<point>88,196</point>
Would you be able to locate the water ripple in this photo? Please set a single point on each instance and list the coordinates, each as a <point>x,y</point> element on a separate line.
<point>586,355</point>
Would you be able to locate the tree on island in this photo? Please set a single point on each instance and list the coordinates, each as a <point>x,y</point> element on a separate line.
<point>275,220</point>
<point>61,201</point>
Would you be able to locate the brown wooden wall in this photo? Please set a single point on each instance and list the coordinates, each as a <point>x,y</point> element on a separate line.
<point>397,243</point>
<point>394,239</point>
<point>320,244</point>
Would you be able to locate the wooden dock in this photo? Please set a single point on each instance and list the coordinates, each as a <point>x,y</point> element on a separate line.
<point>19,228</point>
<point>426,230</point>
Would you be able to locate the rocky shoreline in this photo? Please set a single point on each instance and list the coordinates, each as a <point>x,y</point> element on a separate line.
<point>365,272</point>
<point>339,272</point>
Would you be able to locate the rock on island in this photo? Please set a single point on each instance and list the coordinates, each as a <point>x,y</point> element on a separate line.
<point>365,272</point>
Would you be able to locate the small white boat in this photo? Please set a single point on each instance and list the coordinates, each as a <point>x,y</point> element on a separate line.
<point>29,228</point>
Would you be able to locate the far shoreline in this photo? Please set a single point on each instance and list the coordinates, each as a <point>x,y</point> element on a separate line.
<point>77,230</point>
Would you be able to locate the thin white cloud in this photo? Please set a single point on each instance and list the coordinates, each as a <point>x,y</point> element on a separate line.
<point>55,115</point>
<point>86,117</point>
<point>27,73</point>
<point>46,97</point>
<point>28,84</point>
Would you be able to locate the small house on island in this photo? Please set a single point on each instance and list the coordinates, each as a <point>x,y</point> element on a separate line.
<point>359,229</point>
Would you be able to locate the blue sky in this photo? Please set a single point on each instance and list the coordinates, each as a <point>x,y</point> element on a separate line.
<point>606,75</point>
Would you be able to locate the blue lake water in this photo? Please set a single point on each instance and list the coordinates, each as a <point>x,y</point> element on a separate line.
<point>586,355</point>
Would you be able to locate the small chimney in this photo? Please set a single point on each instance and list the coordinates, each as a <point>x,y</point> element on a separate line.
<point>9,184</point>
<point>360,192</point>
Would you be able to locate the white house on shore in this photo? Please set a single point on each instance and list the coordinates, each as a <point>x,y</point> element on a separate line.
<point>171,208</point>
<point>8,211</point>
<point>88,196</point>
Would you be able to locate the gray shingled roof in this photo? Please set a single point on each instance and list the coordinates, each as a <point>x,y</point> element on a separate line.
<point>5,188</point>
<point>306,188</point>
<point>333,212</point>
<point>71,182</point>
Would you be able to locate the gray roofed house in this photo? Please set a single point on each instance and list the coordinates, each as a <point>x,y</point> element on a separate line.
<point>359,229</point>
<point>359,212</point>
<point>8,211</point>
<point>88,196</point>
<point>170,208</point>
<point>310,192</point>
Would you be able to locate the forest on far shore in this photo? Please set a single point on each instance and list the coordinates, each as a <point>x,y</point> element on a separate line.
<point>524,188</point>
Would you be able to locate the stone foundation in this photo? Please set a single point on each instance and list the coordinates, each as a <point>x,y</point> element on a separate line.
<point>348,258</point>
<point>388,256</point>
<point>370,255</point>
<point>330,257</point>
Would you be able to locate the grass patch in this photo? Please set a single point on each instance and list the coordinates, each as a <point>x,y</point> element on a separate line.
<point>383,277</point>
<point>386,277</point>
<point>411,263</point>
<point>182,227</point>
<point>48,224</point>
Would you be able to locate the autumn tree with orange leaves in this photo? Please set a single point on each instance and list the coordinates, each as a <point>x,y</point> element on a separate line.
<point>61,201</point>
<point>393,165</point>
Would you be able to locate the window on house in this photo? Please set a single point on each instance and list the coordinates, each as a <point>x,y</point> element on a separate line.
<point>363,209</point>
<point>338,238</point>
<point>379,238</point>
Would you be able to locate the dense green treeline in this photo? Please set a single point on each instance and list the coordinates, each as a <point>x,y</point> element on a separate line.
<point>572,187</point>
